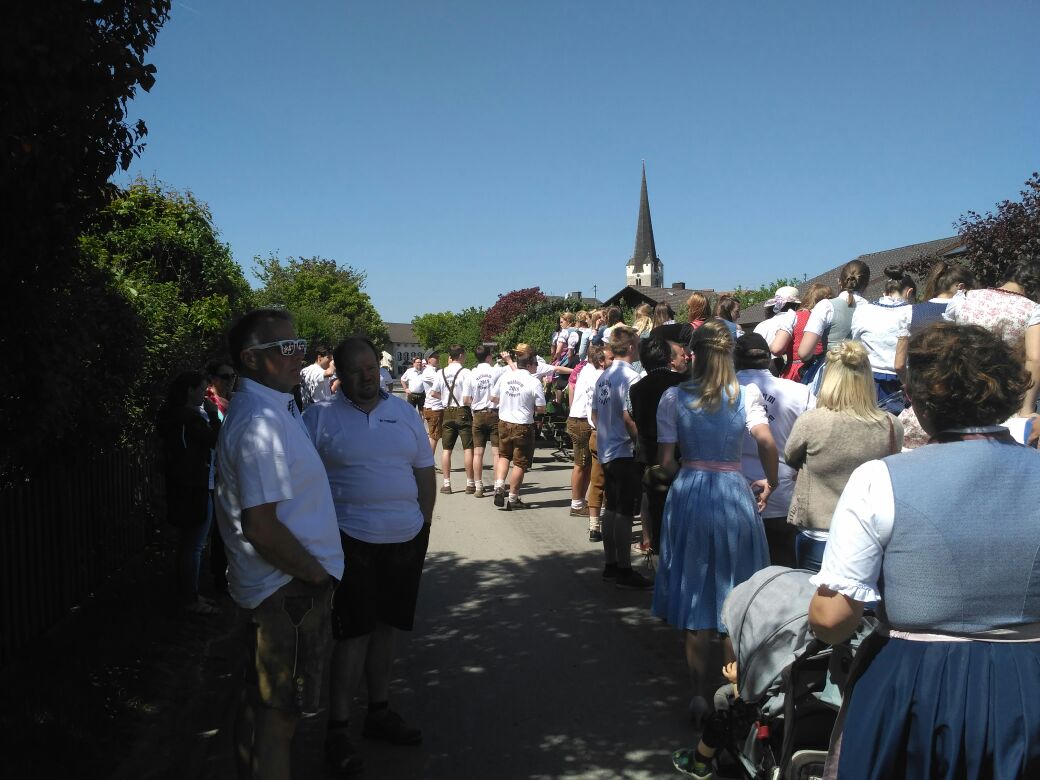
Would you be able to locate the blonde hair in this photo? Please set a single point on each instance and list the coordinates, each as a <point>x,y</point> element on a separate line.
<point>848,383</point>
<point>622,339</point>
<point>714,376</point>
<point>582,318</point>
<point>642,319</point>
<point>568,317</point>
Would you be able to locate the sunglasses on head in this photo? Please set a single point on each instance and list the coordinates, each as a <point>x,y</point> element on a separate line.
<point>287,346</point>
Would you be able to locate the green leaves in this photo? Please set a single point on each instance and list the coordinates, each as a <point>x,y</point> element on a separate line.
<point>326,299</point>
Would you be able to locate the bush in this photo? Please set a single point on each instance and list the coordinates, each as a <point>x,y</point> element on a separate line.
<point>506,309</point>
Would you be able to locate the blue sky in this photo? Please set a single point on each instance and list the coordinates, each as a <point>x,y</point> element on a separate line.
<point>458,150</point>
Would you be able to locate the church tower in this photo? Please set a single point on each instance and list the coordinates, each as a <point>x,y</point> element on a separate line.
<point>645,268</point>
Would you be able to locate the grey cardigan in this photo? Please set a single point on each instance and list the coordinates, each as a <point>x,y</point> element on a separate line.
<point>825,447</point>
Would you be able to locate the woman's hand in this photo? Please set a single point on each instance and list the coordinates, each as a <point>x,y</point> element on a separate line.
<point>761,489</point>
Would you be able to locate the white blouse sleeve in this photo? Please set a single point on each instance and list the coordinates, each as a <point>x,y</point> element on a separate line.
<point>903,323</point>
<point>667,413</point>
<point>860,530</point>
<point>820,317</point>
<point>755,412</point>
<point>1034,317</point>
<point>785,321</point>
<point>953,307</point>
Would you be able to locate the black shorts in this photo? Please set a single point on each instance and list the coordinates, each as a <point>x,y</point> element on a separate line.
<point>623,486</point>
<point>380,585</point>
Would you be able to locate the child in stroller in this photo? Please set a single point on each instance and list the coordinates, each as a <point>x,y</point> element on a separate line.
<point>776,714</point>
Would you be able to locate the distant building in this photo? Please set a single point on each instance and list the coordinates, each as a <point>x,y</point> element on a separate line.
<point>580,301</point>
<point>403,345</point>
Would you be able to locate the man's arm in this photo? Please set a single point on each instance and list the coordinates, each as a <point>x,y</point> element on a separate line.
<point>277,545</point>
<point>630,426</point>
<point>426,483</point>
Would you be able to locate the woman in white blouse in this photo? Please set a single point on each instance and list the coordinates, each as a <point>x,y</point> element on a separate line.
<point>945,538</point>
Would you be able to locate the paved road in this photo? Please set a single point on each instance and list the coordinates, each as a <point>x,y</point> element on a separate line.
<point>523,663</point>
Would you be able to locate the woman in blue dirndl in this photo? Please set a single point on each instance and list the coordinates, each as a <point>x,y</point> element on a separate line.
<point>946,539</point>
<point>712,537</point>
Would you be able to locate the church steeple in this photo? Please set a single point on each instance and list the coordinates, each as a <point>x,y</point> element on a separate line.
<point>645,267</point>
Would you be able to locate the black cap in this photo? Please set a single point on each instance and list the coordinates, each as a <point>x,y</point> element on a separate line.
<point>752,348</point>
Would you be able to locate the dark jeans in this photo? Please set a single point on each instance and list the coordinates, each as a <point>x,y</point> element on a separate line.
<point>808,552</point>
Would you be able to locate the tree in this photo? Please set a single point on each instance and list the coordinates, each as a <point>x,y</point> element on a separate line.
<point>506,309</point>
<point>163,254</point>
<point>69,71</point>
<point>750,298</point>
<point>536,324</point>
<point>995,242</point>
<point>439,330</point>
<point>327,300</point>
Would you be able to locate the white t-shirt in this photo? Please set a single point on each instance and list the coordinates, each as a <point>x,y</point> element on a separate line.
<point>543,370</point>
<point>768,329</point>
<point>784,401</point>
<point>429,376</point>
<point>369,459</point>
<point>822,314</point>
<point>668,413</point>
<point>385,380</point>
<point>316,386</point>
<point>450,384</point>
<point>481,380</point>
<point>583,390</point>
<point>413,381</point>
<point>266,457</point>
<point>612,438</point>
<point>877,328</point>
<point>518,395</point>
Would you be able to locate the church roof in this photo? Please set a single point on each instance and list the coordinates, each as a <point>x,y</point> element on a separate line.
<point>645,250</point>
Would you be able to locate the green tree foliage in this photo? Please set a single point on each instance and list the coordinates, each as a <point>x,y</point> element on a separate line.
<point>996,241</point>
<point>749,298</point>
<point>536,324</point>
<point>70,70</point>
<point>506,309</point>
<point>326,299</point>
<point>162,253</point>
<point>439,330</point>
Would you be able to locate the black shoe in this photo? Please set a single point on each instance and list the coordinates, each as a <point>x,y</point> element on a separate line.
<point>341,756</point>
<point>610,571</point>
<point>595,536</point>
<point>390,727</point>
<point>632,580</point>
<point>500,497</point>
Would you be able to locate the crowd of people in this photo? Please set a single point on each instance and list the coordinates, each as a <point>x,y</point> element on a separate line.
<point>799,444</point>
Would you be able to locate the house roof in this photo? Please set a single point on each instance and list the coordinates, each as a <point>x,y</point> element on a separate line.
<point>675,296</point>
<point>876,262</point>
<point>401,333</point>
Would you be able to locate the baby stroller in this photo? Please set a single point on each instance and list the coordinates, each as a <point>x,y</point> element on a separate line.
<point>790,683</point>
<point>554,429</point>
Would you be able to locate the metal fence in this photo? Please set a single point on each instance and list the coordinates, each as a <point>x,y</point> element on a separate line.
<point>62,531</point>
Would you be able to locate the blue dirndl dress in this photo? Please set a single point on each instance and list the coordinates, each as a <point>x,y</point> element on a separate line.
<point>712,538</point>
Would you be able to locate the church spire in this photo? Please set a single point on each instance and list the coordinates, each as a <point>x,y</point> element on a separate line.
<point>645,267</point>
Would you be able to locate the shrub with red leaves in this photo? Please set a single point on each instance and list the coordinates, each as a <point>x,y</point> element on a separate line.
<point>506,309</point>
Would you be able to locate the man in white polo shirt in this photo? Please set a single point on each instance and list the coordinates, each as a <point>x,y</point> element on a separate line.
<point>519,397</point>
<point>278,522</point>
<point>381,471</point>
<point>412,381</point>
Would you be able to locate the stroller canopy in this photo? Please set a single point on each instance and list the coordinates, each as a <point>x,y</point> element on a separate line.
<point>768,621</point>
